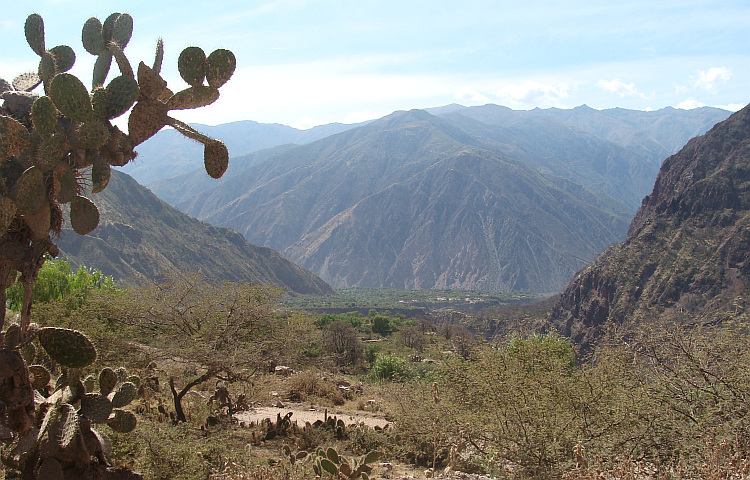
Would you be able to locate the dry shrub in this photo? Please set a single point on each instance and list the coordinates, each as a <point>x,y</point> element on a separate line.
<point>307,384</point>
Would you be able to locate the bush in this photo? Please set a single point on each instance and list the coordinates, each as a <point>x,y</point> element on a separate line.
<point>391,367</point>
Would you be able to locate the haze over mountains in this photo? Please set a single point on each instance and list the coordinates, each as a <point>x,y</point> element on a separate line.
<point>458,197</point>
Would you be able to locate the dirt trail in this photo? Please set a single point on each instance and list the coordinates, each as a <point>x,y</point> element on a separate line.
<point>302,414</point>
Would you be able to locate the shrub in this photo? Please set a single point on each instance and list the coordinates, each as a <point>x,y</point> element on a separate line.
<point>391,367</point>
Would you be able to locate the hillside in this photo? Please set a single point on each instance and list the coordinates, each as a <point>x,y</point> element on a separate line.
<point>412,201</point>
<point>140,235</point>
<point>686,253</point>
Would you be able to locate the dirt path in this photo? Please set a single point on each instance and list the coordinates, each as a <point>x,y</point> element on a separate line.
<point>302,415</point>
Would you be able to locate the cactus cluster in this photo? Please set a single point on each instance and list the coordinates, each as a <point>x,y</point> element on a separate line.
<point>58,146</point>
<point>55,148</point>
<point>54,434</point>
<point>329,461</point>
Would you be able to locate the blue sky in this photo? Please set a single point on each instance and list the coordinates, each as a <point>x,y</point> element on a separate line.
<point>307,62</point>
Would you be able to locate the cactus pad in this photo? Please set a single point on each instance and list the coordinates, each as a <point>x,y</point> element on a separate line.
<point>65,57</point>
<point>192,65</point>
<point>100,175</point>
<point>27,82</point>
<point>50,470</point>
<point>71,97</point>
<point>39,376</point>
<point>69,348</point>
<point>30,194</point>
<point>34,30</point>
<point>95,407</point>
<point>44,116</point>
<point>64,182</point>
<point>109,26</point>
<point>84,216</point>
<point>14,138</point>
<point>122,421</point>
<point>91,36</point>
<point>107,380</point>
<point>122,92</point>
<point>101,68</point>
<point>193,97</point>
<point>220,66</point>
<point>215,158</point>
<point>123,394</point>
<point>51,151</point>
<point>122,30</point>
<point>147,118</point>
<point>92,134</point>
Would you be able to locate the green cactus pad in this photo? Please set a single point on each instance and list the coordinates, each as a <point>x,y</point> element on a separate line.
<point>109,26</point>
<point>99,102</point>
<point>193,97</point>
<point>122,61</point>
<point>329,466</point>
<point>101,69</point>
<point>91,36</point>
<point>122,421</point>
<point>192,65</point>
<point>74,392</point>
<point>147,118</point>
<point>47,69</point>
<point>107,380</point>
<point>92,134</point>
<point>95,407</point>
<point>372,457</point>
<point>14,138</point>
<point>122,92</point>
<point>27,82</point>
<point>84,216</point>
<point>30,192</point>
<point>122,30</point>
<point>65,57</point>
<point>50,470</point>
<point>12,336</point>
<point>71,97</point>
<point>100,175</point>
<point>215,158</point>
<point>7,213</point>
<point>220,66</point>
<point>64,182</point>
<point>51,151</point>
<point>34,30</point>
<point>39,376</point>
<point>333,455</point>
<point>44,116</point>
<point>123,394</point>
<point>69,348</point>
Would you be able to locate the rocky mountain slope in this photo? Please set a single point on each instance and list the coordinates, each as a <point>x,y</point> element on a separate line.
<point>140,235</point>
<point>687,253</point>
<point>413,201</point>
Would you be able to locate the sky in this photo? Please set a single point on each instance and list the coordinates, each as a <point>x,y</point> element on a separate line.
<point>309,62</point>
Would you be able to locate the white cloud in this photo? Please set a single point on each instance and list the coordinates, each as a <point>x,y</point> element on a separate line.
<point>533,93</point>
<point>690,104</point>
<point>713,77</point>
<point>732,107</point>
<point>469,95</point>
<point>620,88</point>
<point>359,117</point>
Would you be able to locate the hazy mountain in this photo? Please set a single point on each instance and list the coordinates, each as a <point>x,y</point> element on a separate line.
<point>414,201</point>
<point>169,153</point>
<point>140,235</point>
<point>687,251</point>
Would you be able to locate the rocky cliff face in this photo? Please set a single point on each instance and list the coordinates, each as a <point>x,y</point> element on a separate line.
<point>687,253</point>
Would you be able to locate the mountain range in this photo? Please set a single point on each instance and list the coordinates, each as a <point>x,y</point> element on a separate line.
<point>687,253</point>
<point>458,197</point>
<point>140,236</point>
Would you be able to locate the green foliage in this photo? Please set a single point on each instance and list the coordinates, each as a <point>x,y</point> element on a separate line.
<point>57,282</point>
<point>391,367</point>
<point>381,324</point>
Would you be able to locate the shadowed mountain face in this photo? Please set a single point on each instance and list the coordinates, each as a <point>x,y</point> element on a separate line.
<point>687,250</point>
<point>413,201</point>
<point>141,236</point>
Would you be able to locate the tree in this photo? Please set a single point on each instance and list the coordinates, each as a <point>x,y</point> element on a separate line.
<point>341,342</point>
<point>223,329</point>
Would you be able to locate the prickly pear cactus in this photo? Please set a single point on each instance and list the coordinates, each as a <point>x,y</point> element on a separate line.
<point>57,146</point>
